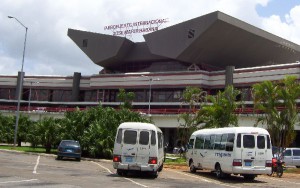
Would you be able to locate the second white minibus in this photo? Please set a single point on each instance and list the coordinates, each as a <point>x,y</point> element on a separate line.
<point>138,147</point>
<point>242,151</point>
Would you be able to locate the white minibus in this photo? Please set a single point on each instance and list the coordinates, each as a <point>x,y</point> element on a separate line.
<point>138,147</point>
<point>242,151</point>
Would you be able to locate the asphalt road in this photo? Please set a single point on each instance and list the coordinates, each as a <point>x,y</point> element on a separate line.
<point>25,170</point>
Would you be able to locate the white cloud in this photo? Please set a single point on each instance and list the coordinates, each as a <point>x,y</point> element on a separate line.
<point>50,51</point>
<point>288,28</point>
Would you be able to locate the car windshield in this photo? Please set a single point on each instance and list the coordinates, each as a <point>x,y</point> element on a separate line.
<point>69,143</point>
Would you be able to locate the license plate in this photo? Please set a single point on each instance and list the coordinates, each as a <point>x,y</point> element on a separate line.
<point>247,163</point>
<point>69,150</point>
<point>128,159</point>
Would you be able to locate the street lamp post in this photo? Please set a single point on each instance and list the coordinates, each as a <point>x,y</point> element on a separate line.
<point>21,83</point>
<point>150,88</point>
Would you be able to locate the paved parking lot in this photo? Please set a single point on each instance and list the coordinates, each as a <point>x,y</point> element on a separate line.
<point>25,170</point>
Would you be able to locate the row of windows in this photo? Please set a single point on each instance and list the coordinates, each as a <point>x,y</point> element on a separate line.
<point>226,141</point>
<point>142,95</point>
<point>130,137</point>
<point>217,142</point>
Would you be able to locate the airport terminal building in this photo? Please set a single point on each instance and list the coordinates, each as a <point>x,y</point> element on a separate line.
<point>209,52</point>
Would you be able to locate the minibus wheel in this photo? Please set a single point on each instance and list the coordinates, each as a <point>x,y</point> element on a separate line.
<point>161,167</point>
<point>192,167</point>
<point>249,177</point>
<point>219,172</point>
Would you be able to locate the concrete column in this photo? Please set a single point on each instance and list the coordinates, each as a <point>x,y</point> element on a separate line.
<point>19,90</point>
<point>229,75</point>
<point>76,86</point>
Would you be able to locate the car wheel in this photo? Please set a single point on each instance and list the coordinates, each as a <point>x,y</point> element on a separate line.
<point>78,159</point>
<point>59,157</point>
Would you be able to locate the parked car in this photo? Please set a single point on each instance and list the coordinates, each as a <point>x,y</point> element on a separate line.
<point>69,149</point>
<point>291,157</point>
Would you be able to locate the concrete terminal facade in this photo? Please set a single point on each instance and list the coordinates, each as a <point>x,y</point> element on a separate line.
<point>210,52</point>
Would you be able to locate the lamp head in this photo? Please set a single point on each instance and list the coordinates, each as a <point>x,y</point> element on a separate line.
<point>10,17</point>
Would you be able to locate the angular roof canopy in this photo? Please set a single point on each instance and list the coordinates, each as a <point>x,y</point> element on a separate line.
<point>215,39</point>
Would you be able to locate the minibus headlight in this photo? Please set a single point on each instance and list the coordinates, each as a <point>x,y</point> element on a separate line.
<point>117,158</point>
<point>237,162</point>
<point>152,160</point>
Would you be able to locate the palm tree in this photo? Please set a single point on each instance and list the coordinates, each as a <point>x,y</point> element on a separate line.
<point>221,110</point>
<point>277,100</point>
<point>48,130</point>
<point>126,98</point>
<point>195,97</point>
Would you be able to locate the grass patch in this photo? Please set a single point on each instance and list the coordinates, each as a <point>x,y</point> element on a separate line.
<point>28,149</point>
<point>173,160</point>
<point>292,170</point>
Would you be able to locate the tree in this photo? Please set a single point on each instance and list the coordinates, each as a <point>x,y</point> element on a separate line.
<point>194,96</point>
<point>48,130</point>
<point>25,125</point>
<point>95,128</point>
<point>221,111</point>
<point>277,100</point>
<point>7,125</point>
<point>126,98</point>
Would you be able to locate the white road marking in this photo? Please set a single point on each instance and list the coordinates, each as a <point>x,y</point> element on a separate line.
<point>36,165</point>
<point>277,179</point>
<point>102,167</point>
<point>124,178</point>
<point>136,182</point>
<point>202,179</point>
<point>18,181</point>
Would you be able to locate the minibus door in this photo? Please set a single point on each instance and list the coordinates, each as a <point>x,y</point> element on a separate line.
<point>261,151</point>
<point>143,147</point>
<point>248,150</point>
<point>129,148</point>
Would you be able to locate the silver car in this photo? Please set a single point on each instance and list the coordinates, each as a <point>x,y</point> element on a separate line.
<point>292,157</point>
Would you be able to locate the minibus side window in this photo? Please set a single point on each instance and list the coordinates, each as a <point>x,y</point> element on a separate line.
<point>207,142</point>
<point>191,144</point>
<point>130,137</point>
<point>268,142</point>
<point>239,140</point>
<point>230,142</point>
<point>199,142</point>
<point>144,138</point>
<point>261,142</point>
<point>248,141</point>
<point>153,138</point>
<point>159,140</point>
<point>212,141</point>
<point>119,136</point>
<point>218,141</point>
<point>296,152</point>
<point>223,141</point>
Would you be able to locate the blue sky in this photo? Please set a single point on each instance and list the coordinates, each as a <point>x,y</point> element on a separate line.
<point>277,7</point>
<point>49,51</point>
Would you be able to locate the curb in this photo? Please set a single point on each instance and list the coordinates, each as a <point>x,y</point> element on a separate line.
<point>53,155</point>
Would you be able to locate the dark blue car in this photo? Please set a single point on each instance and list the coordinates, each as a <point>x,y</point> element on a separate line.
<point>69,149</point>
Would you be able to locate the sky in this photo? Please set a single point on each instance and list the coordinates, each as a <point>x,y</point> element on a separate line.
<point>49,51</point>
